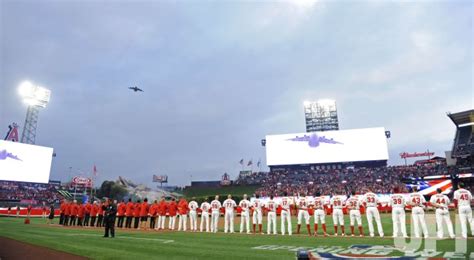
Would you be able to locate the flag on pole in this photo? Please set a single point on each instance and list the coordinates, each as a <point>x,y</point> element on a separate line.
<point>258,163</point>
<point>94,171</point>
<point>241,162</point>
<point>249,163</point>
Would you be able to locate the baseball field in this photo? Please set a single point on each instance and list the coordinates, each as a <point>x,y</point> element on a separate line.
<point>131,244</point>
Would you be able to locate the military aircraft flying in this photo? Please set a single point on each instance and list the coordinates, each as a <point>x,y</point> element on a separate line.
<point>135,89</point>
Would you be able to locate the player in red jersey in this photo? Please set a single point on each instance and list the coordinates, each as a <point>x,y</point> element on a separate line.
<point>172,210</point>
<point>87,213</point>
<point>144,210</point>
<point>67,212</point>
<point>136,214</point>
<point>153,214</point>
<point>121,207</point>
<point>73,213</point>
<point>80,213</point>
<point>183,214</point>
<point>100,215</point>
<point>162,209</point>
<point>129,213</point>
<point>94,211</point>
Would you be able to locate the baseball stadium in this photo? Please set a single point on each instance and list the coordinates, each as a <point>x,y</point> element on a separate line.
<point>201,130</point>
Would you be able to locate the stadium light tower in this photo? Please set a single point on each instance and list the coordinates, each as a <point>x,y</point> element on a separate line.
<point>321,115</point>
<point>35,97</point>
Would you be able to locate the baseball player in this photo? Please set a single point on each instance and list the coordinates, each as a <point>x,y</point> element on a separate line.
<point>162,209</point>
<point>215,213</point>
<point>285,213</point>
<point>398,202</point>
<point>172,210</point>
<point>303,205</point>
<point>353,204</point>
<point>193,206</point>
<point>337,203</point>
<point>244,205</point>
<point>319,213</point>
<point>229,205</point>
<point>370,200</point>
<point>441,202</point>
<point>417,201</point>
<point>462,200</point>
<point>257,213</point>
<point>205,207</point>
<point>144,212</point>
<point>183,208</point>
<point>271,216</point>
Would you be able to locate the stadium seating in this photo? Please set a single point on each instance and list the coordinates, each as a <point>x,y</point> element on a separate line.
<point>342,181</point>
<point>29,193</point>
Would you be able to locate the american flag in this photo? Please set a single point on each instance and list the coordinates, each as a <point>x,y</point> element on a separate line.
<point>249,163</point>
<point>241,161</point>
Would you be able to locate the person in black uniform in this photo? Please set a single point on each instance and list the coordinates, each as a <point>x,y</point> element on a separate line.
<point>51,214</point>
<point>109,218</point>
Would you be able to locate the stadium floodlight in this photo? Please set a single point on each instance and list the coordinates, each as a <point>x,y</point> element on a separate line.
<point>35,97</point>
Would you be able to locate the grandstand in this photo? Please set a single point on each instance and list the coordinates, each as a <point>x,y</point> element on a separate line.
<point>24,193</point>
<point>463,145</point>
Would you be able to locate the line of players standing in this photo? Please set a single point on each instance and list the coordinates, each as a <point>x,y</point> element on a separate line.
<point>154,215</point>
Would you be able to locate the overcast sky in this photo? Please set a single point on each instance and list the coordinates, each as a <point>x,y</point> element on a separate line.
<point>220,75</point>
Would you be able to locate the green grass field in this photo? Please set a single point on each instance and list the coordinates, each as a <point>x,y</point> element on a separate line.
<point>89,242</point>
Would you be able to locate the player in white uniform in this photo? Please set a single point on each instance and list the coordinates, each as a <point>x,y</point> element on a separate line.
<point>285,213</point>
<point>245,214</point>
<point>353,204</point>
<point>271,216</point>
<point>205,206</point>
<point>257,213</point>
<point>229,206</point>
<point>215,213</point>
<point>417,201</point>
<point>303,204</point>
<point>441,202</point>
<point>370,200</point>
<point>398,202</point>
<point>193,206</point>
<point>337,203</point>
<point>319,213</point>
<point>462,199</point>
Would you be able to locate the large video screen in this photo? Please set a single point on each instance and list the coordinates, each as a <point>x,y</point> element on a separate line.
<point>24,162</point>
<point>367,144</point>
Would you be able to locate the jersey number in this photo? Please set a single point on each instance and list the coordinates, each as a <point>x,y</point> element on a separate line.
<point>397,201</point>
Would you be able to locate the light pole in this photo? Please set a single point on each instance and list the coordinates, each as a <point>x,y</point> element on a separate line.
<point>35,97</point>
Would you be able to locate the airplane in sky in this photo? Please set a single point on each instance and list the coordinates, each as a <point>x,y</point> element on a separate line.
<point>135,89</point>
<point>314,140</point>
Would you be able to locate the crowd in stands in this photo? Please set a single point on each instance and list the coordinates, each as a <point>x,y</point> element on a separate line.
<point>38,192</point>
<point>378,180</point>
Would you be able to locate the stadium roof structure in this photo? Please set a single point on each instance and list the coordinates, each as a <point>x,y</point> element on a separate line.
<point>462,118</point>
